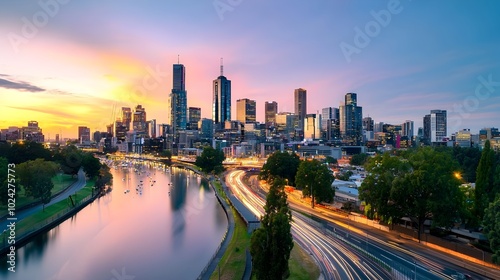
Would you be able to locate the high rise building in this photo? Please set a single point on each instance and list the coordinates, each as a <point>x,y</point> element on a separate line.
<point>351,116</point>
<point>312,126</point>
<point>271,109</point>
<point>206,129</point>
<point>177,103</point>
<point>221,103</point>
<point>194,117</point>
<point>245,110</point>
<point>139,121</point>
<point>300,98</point>
<point>368,124</point>
<point>408,129</point>
<point>83,134</point>
<point>463,138</point>
<point>435,127</point>
<point>120,131</point>
<point>126,117</point>
<point>152,128</point>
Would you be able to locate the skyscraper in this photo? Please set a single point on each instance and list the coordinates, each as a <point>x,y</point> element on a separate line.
<point>194,117</point>
<point>408,129</point>
<point>435,127</point>
<point>83,134</point>
<point>271,109</point>
<point>351,116</point>
<point>178,99</point>
<point>245,110</point>
<point>126,117</point>
<point>221,104</point>
<point>300,97</point>
<point>139,121</point>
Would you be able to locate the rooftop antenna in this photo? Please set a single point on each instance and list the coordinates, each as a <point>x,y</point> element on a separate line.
<point>221,68</point>
<point>177,59</point>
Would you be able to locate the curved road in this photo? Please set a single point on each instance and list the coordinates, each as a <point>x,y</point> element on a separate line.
<point>335,260</point>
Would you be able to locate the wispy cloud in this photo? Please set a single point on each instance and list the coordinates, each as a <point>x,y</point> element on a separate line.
<point>45,111</point>
<point>19,85</point>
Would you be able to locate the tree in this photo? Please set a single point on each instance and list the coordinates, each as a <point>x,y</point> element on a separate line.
<point>331,160</point>
<point>36,178</point>
<point>485,177</point>
<point>28,150</point>
<point>91,165</point>
<point>312,175</point>
<point>70,159</point>
<point>376,187</point>
<point>271,244</point>
<point>167,154</point>
<point>429,190</point>
<point>210,160</point>
<point>359,159</point>
<point>468,158</point>
<point>282,165</point>
<point>105,178</point>
<point>492,228</point>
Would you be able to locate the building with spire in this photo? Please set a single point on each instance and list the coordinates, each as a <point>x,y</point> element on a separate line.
<point>221,102</point>
<point>177,103</point>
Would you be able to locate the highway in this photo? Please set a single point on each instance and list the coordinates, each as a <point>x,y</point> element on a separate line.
<point>336,261</point>
<point>357,243</point>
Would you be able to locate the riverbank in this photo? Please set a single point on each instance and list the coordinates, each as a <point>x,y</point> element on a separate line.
<point>48,218</point>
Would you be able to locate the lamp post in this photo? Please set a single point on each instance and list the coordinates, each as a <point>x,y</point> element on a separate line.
<point>312,197</point>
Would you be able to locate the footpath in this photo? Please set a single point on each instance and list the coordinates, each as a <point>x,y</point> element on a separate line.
<point>23,237</point>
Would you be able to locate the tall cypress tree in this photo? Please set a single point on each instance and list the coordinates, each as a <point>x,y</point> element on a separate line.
<point>485,176</point>
<point>272,243</point>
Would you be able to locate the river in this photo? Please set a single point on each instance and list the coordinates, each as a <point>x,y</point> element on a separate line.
<point>167,228</point>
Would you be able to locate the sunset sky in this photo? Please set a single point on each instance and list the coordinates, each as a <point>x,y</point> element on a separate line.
<point>69,63</point>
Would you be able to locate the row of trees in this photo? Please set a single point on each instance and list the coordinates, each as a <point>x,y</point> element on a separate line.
<point>425,184</point>
<point>35,167</point>
<point>313,177</point>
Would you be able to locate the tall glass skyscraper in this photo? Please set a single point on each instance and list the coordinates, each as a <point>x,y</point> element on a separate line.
<point>300,98</point>
<point>351,120</point>
<point>221,104</point>
<point>178,99</point>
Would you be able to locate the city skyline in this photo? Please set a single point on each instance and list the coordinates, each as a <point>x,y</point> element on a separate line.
<point>63,72</point>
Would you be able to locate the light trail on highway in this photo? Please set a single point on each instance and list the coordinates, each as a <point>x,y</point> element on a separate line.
<point>335,260</point>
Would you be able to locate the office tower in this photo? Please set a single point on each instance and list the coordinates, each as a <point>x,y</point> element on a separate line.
<point>57,138</point>
<point>408,129</point>
<point>271,109</point>
<point>368,124</point>
<point>312,126</point>
<point>120,131</point>
<point>152,128</point>
<point>286,123</point>
<point>351,116</point>
<point>245,110</point>
<point>488,133</point>
<point>194,118</point>
<point>300,98</point>
<point>221,103</point>
<point>83,134</point>
<point>330,123</point>
<point>126,117</point>
<point>139,121</point>
<point>177,102</point>
<point>96,136</point>
<point>435,127</point>
<point>206,129</point>
<point>463,138</point>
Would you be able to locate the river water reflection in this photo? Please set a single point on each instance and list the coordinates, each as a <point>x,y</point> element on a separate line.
<point>167,228</point>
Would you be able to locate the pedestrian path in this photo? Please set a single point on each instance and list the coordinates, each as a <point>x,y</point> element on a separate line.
<point>80,183</point>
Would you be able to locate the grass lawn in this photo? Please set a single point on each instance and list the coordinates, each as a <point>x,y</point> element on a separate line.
<point>232,264</point>
<point>61,181</point>
<point>301,264</point>
<point>51,212</point>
